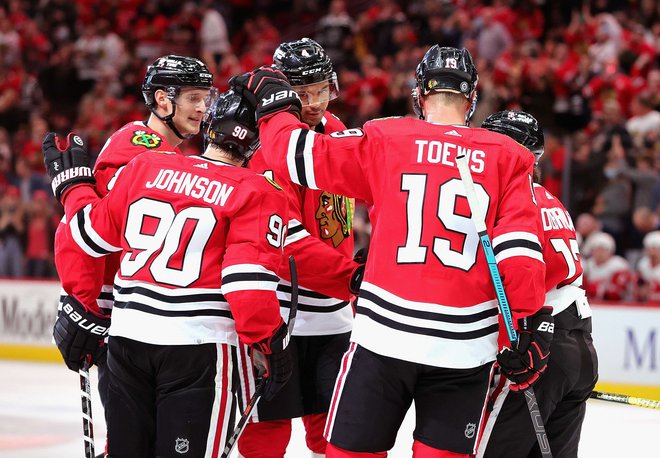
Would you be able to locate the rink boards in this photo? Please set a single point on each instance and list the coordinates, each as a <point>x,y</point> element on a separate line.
<point>627,337</point>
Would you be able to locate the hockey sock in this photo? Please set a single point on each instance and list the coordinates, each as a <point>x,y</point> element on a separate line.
<point>332,451</point>
<point>314,424</point>
<point>266,439</point>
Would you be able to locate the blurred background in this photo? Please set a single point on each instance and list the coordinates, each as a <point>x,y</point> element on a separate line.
<point>589,71</point>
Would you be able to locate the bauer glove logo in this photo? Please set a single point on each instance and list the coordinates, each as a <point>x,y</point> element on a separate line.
<point>547,327</point>
<point>277,96</point>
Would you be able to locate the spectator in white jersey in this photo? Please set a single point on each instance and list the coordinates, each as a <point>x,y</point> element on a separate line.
<point>201,239</point>
<point>426,327</point>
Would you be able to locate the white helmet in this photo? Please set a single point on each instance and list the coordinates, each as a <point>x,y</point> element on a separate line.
<point>600,240</point>
<point>652,240</point>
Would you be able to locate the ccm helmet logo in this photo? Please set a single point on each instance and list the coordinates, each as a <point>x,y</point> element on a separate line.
<point>280,95</point>
<point>313,70</point>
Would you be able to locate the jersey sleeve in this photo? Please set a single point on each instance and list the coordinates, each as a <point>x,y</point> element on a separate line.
<point>314,275</point>
<point>93,230</point>
<point>517,235</point>
<point>253,254</point>
<point>307,250</point>
<point>335,162</point>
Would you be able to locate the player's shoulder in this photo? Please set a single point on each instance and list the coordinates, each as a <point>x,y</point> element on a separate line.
<point>247,178</point>
<point>331,123</point>
<point>129,141</point>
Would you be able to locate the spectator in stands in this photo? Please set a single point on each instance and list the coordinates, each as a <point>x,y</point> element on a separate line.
<point>645,119</point>
<point>333,30</point>
<point>213,35</point>
<point>586,225</point>
<point>39,236</point>
<point>606,275</point>
<point>493,38</point>
<point>648,269</point>
<point>12,230</point>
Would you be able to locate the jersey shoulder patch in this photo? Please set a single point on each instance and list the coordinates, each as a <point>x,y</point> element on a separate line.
<point>146,139</point>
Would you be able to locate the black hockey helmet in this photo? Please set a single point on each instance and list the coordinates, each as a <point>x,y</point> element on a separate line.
<point>446,69</point>
<point>304,62</point>
<point>230,124</point>
<point>521,126</point>
<point>171,73</point>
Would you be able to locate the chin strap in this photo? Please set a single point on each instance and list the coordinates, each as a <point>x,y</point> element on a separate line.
<point>168,119</point>
<point>169,122</point>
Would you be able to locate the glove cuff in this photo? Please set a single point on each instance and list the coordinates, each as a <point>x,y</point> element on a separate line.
<point>275,343</point>
<point>69,177</point>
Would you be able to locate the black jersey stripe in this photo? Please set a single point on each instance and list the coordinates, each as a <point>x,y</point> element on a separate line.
<point>431,316</point>
<point>418,330</point>
<point>80,221</point>
<point>166,298</point>
<point>315,308</point>
<point>517,243</point>
<point>249,276</point>
<point>300,158</point>
<point>303,292</point>
<point>133,305</point>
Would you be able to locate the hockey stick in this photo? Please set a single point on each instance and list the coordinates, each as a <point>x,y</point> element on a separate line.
<point>479,221</point>
<point>293,310</point>
<point>86,400</point>
<point>625,399</point>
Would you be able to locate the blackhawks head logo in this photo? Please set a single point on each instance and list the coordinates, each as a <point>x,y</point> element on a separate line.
<point>335,217</point>
<point>146,139</point>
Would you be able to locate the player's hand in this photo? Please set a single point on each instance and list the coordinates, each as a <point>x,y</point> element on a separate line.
<point>268,90</point>
<point>525,364</point>
<point>273,361</point>
<point>79,333</point>
<point>358,273</point>
<point>67,162</point>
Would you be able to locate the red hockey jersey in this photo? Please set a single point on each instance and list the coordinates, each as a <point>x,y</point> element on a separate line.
<point>320,239</point>
<point>427,295</point>
<point>563,262</point>
<point>200,241</point>
<point>90,279</point>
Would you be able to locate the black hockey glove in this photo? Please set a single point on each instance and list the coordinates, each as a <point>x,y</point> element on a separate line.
<point>268,90</point>
<point>67,163</point>
<point>525,364</point>
<point>273,361</point>
<point>358,274</point>
<point>79,333</point>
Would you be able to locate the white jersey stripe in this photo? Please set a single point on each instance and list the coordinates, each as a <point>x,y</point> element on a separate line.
<point>291,155</point>
<point>517,235</point>
<point>340,382</point>
<point>518,251</point>
<point>309,160</point>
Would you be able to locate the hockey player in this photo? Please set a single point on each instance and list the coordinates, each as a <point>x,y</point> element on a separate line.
<point>200,239</point>
<point>177,90</point>
<point>319,237</point>
<point>427,323</point>
<point>572,370</point>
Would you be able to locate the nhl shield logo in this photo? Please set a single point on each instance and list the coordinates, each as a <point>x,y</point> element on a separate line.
<point>182,446</point>
<point>470,429</point>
